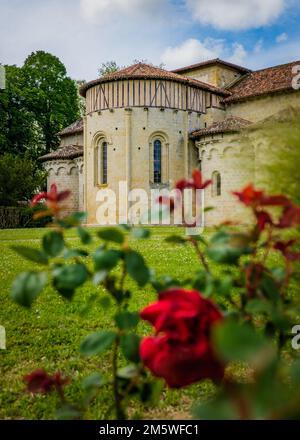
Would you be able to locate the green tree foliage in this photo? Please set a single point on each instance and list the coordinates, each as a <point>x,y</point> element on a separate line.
<point>39,100</point>
<point>50,94</point>
<point>278,153</point>
<point>108,67</point>
<point>19,179</point>
<point>19,131</point>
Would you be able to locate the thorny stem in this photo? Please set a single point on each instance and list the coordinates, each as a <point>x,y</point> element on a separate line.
<point>200,255</point>
<point>117,396</point>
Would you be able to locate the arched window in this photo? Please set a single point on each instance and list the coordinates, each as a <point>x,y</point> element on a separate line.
<point>157,161</point>
<point>103,163</point>
<point>216,184</point>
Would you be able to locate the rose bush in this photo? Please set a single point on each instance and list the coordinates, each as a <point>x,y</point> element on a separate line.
<point>248,304</point>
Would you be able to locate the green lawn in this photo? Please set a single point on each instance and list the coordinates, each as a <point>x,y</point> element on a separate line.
<point>48,336</point>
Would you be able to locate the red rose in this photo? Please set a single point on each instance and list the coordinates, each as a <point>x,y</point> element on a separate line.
<point>52,200</point>
<point>254,198</point>
<point>39,381</point>
<point>196,182</point>
<point>181,352</point>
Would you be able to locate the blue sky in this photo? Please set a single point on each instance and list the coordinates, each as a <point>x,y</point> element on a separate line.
<point>86,33</point>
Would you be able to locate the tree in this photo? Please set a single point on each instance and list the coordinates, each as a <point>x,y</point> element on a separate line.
<point>278,154</point>
<point>19,179</point>
<point>19,131</point>
<point>50,95</point>
<point>108,67</point>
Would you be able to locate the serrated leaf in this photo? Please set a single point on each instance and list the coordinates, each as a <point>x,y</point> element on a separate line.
<point>94,380</point>
<point>127,320</point>
<point>73,253</point>
<point>106,260</point>
<point>141,233</point>
<point>84,235</point>
<point>53,243</point>
<point>130,345</point>
<point>176,239</point>
<point>238,342</point>
<point>97,343</point>
<point>27,286</point>
<point>31,254</point>
<point>115,235</point>
<point>68,278</point>
<point>136,267</point>
<point>128,372</point>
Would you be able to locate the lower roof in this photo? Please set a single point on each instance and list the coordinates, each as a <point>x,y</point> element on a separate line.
<point>63,153</point>
<point>232,124</point>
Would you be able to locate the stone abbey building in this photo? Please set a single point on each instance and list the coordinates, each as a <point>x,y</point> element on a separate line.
<point>150,127</point>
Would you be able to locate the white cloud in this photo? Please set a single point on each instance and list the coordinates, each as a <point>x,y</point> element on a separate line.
<point>102,11</point>
<point>236,14</point>
<point>194,51</point>
<point>282,37</point>
<point>239,54</point>
<point>258,46</point>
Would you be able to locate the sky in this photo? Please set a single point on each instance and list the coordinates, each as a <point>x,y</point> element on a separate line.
<point>86,33</point>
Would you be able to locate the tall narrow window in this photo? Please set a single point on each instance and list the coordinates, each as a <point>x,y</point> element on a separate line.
<point>104,163</point>
<point>216,184</point>
<point>157,161</point>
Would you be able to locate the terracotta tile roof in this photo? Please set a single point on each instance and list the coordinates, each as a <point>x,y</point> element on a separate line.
<point>261,82</point>
<point>146,71</point>
<point>76,127</point>
<point>231,124</point>
<point>209,63</point>
<point>67,152</point>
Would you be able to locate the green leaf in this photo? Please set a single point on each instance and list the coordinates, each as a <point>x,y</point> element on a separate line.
<point>106,260</point>
<point>256,306</point>
<point>31,254</point>
<point>141,233</point>
<point>238,342</point>
<point>84,235</point>
<point>97,343</point>
<point>217,409</point>
<point>99,277</point>
<point>127,320</point>
<point>228,248</point>
<point>94,380</point>
<point>269,287</point>
<point>176,239</point>
<point>136,267</point>
<point>27,286</point>
<point>68,412</point>
<point>74,253</point>
<point>73,220</point>
<point>128,372</point>
<point>115,235</point>
<point>67,278</point>
<point>53,243</point>
<point>130,345</point>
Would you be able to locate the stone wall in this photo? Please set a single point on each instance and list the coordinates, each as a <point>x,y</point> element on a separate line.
<point>260,108</point>
<point>226,155</point>
<point>67,174</point>
<point>130,134</point>
<point>216,75</point>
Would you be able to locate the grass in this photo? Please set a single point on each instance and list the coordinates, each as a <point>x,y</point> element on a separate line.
<point>48,335</point>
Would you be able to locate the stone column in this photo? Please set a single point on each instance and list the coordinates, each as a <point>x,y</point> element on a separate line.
<point>128,146</point>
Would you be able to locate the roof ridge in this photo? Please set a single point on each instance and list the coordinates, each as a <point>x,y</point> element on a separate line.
<point>211,61</point>
<point>274,67</point>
